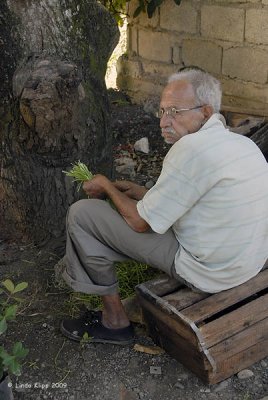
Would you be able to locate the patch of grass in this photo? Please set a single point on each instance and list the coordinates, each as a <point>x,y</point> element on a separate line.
<point>247,396</point>
<point>130,274</point>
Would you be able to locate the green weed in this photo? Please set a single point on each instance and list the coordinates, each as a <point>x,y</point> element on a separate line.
<point>129,273</point>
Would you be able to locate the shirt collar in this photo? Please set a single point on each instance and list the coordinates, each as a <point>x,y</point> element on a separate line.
<point>215,119</point>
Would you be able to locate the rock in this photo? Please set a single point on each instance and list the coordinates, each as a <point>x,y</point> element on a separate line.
<point>207,390</point>
<point>142,145</point>
<point>149,184</point>
<point>126,166</point>
<point>221,386</point>
<point>179,385</point>
<point>147,118</point>
<point>245,374</point>
<point>263,363</point>
<point>183,376</point>
<point>155,370</point>
<point>151,105</point>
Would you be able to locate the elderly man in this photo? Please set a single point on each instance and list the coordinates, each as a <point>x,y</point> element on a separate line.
<point>205,222</point>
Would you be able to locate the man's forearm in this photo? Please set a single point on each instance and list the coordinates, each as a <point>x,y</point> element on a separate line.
<point>126,206</point>
<point>131,189</point>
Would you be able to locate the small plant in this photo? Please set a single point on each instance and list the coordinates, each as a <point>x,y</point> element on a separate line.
<point>85,339</point>
<point>117,7</point>
<point>149,6</point>
<point>80,173</point>
<point>10,363</point>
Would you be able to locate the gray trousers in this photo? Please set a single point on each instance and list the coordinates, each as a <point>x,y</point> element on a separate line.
<point>97,237</point>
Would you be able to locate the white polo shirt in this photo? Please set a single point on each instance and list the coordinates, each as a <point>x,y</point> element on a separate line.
<point>213,193</point>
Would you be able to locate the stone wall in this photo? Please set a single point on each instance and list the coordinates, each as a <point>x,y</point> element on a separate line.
<point>228,38</point>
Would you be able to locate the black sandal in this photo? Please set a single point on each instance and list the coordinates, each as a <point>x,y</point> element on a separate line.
<point>90,323</point>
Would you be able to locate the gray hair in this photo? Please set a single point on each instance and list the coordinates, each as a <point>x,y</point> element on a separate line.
<point>207,89</point>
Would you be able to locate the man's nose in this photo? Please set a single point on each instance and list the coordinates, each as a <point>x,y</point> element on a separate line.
<point>165,120</point>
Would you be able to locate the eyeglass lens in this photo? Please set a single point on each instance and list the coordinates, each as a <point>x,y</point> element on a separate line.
<point>169,111</point>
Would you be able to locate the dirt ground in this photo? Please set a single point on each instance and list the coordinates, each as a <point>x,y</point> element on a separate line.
<point>59,369</point>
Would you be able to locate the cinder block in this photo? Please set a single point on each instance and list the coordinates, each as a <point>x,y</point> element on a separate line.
<point>138,89</point>
<point>246,63</point>
<point>204,54</point>
<point>176,54</point>
<point>245,95</point>
<point>235,1</point>
<point>225,23</point>
<point>250,90</point>
<point>145,21</point>
<point>182,18</point>
<point>129,67</point>
<point>155,46</point>
<point>132,36</point>
<point>257,26</point>
<point>159,69</point>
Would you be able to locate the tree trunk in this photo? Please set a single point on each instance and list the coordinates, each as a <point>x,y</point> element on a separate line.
<point>53,108</point>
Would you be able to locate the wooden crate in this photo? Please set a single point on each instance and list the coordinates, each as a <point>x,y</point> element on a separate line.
<point>214,335</point>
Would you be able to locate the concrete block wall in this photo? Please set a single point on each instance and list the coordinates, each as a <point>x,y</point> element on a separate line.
<point>228,38</point>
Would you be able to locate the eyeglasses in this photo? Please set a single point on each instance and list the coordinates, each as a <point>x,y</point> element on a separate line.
<point>172,111</point>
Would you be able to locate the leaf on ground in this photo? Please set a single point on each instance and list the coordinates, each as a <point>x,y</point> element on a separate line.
<point>9,285</point>
<point>19,351</point>
<point>3,325</point>
<point>20,286</point>
<point>10,312</point>
<point>149,349</point>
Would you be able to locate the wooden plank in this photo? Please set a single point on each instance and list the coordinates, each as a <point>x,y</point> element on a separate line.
<point>162,285</point>
<point>239,361</point>
<point>169,321</point>
<point>184,297</point>
<point>176,346</point>
<point>261,139</point>
<point>219,301</point>
<point>241,341</point>
<point>234,322</point>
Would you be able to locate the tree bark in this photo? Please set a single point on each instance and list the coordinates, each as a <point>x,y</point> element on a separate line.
<point>53,108</point>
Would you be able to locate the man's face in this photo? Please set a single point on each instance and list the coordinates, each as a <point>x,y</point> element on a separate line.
<point>178,95</point>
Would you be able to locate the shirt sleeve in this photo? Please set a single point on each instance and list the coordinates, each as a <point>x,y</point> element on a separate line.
<point>176,190</point>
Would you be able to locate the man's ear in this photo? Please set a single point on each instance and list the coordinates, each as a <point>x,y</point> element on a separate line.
<point>207,111</point>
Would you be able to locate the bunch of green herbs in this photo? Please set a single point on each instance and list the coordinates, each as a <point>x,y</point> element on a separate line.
<point>80,173</point>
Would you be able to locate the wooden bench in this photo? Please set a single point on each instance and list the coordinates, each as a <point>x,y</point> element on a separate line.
<point>214,335</point>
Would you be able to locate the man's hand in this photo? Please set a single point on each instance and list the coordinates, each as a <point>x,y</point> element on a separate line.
<point>100,187</point>
<point>130,189</point>
<point>95,187</point>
